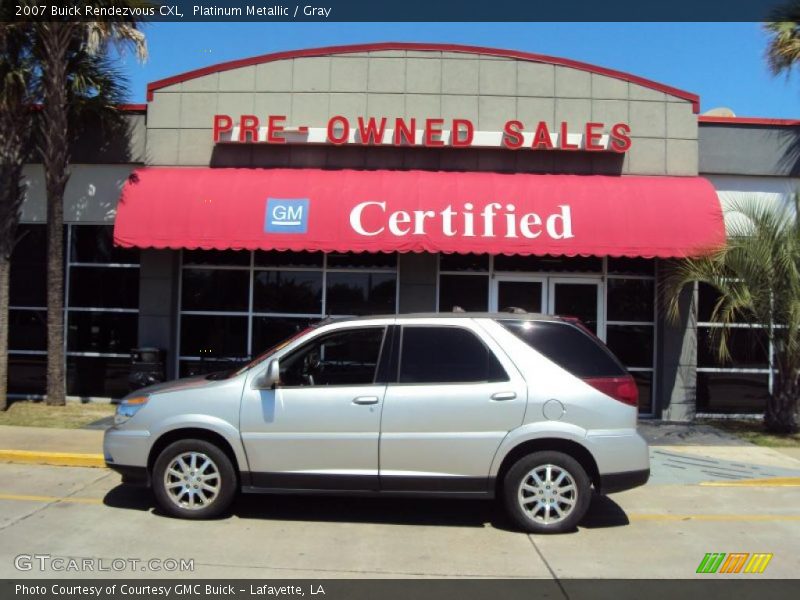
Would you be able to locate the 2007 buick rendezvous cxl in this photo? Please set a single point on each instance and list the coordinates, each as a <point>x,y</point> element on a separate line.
<point>529,408</point>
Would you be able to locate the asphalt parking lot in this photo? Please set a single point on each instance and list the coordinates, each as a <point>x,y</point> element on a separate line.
<point>662,530</point>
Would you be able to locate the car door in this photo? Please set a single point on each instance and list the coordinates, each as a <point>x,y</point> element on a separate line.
<point>318,428</point>
<point>456,397</point>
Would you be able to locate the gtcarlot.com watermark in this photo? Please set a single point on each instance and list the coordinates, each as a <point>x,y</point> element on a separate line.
<point>60,564</point>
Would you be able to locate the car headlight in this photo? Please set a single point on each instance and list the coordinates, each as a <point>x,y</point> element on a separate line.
<point>129,407</point>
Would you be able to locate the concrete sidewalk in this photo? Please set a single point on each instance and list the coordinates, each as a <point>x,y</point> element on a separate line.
<point>51,446</point>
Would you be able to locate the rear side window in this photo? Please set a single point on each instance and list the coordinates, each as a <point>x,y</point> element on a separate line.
<point>446,355</point>
<point>566,345</point>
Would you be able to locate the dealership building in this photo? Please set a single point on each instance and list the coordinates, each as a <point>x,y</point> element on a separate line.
<point>254,197</point>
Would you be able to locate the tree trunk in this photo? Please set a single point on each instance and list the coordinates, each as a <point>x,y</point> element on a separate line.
<point>781,414</point>
<point>5,268</point>
<point>55,42</point>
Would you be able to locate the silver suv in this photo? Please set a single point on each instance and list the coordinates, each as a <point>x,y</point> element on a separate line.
<point>529,408</point>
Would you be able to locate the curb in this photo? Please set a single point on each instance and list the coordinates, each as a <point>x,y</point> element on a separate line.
<point>56,459</point>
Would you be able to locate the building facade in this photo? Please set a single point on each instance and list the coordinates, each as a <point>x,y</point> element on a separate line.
<point>430,127</point>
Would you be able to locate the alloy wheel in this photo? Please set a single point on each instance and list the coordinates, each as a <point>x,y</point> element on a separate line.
<point>547,494</point>
<point>192,480</point>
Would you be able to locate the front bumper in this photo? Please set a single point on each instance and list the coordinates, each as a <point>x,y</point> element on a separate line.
<point>127,451</point>
<point>131,475</point>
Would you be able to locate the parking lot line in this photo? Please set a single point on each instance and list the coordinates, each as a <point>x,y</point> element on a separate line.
<point>47,499</point>
<point>766,482</point>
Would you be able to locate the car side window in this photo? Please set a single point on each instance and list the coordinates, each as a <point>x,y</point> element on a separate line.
<point>446,355</point>
<point>345,357</point>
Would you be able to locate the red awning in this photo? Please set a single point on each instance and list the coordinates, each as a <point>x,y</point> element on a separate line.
<point>418,211</point>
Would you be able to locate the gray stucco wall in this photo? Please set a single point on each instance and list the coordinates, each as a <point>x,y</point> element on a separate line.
<point>749,149</point>
<point>91,196</point>
<point>158,288</point>
<point>486,89</point>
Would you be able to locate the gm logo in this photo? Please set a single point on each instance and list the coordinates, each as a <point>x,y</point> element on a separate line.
<point>286,215</point>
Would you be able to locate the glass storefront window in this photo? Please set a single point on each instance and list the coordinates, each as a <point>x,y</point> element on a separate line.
<point>749,348</point>
<point>631,266</point>
<point>27,329</point>
<point>220,258</point>
<point>741,384</point>
<point>105,332</point>
<point>630,300</point>
<point>27,374</point>
<point>95,244</point>
<point>632,344</point>
<point>288,292</point>
<point>463,262</point>
<point>28,277</point>
<point>269,331</point>
<point>470,292</point>
<point>561,264</point>
<point>100,376</point>
<point>362,260</point>
<point>98,287</point>
<point>101,288</point>
<point>215,290</point>
<point>731,392</point>
<point>235,305</point>
<point>361,293</point>
<point>275,258</point>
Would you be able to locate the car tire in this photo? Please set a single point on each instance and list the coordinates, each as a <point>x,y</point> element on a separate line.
<point>541,485</point>
<point>194,479</point>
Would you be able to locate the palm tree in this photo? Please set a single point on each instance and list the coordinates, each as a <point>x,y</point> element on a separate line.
<point>758,277</point>
<point>15,135</point>
<point>74,72</point>
<point>783,51</point>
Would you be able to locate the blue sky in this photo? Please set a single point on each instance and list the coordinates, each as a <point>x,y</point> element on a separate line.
<point>722,62</point>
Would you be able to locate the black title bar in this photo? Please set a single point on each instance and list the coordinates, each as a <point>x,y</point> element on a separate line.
<point>401,10</point>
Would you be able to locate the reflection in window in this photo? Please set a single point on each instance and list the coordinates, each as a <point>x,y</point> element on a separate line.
<point>361,293</point>
<point>214,289</point>
<point>253,295</point>
<point>730,392</point>
<point>470,292</point>
<point>105,332</point>
<point>288,292</point>
<point>269,331</point>
<point>632,344</point>
<point>214,336</point>
<point>101,288</point>
<point>631,300</point>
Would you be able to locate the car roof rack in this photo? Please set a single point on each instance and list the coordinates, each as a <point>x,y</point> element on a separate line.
<point>516,310</point>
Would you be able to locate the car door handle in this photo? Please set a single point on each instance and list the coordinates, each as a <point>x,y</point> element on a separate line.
<point>504,396</point>
<point>365,400</point>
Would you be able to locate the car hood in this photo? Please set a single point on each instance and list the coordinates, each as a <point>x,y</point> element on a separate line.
<point>173,386</point>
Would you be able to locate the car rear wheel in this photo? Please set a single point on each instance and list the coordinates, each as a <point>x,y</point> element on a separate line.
<point>193,479</point>
<point>546,492</point>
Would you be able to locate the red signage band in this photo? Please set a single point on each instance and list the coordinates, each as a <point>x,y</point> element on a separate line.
<point>430,132</point>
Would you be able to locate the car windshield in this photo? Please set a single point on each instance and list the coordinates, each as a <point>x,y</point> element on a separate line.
<point>261,357</point>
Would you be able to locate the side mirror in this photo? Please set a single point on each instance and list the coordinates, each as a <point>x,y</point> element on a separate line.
<point>270,378</point>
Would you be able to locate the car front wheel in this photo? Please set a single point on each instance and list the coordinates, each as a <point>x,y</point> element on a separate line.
<point>546,492</point>
<point>193,479</point>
